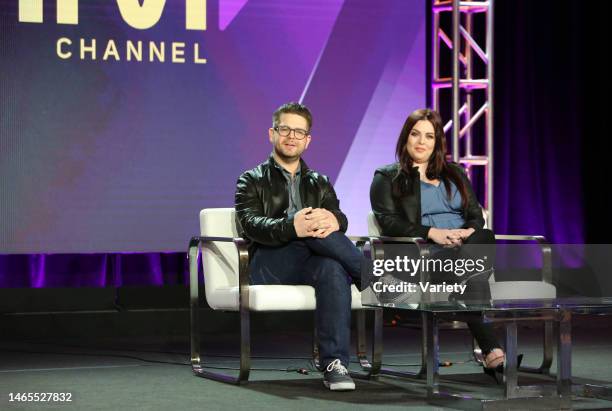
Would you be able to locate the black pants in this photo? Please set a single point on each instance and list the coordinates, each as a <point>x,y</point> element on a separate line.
<point>328,264</point>
<point>482,332</point>
<point>480,246</point>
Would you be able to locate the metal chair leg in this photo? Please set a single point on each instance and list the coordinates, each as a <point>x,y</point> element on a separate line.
<point>422,371</point>
<point>316,356</point>
<point>370,369</point>
<point>548,336</point>
<point>245,339</point>
<point>361,341</point>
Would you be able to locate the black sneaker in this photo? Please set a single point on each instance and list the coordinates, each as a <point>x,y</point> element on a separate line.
<point>337,377</point>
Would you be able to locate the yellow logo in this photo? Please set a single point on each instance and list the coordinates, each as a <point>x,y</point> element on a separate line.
<point>139,16</point>
<point>136,15</point>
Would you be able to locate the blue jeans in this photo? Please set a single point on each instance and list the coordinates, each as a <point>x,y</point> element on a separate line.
<point>329,265</point>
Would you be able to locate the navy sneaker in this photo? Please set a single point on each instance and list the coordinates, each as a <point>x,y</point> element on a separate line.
<point>337,377</point>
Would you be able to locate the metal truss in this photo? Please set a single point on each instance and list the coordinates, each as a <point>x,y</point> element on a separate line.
<point>458,29</point>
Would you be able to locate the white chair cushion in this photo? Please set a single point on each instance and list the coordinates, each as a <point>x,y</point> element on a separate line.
<point>219,259</point>
<point>218,222</point>
<point>373,226</point>
<point>220,265</point>
<point>273,298</point>
<point>522,290</point>
<point>504,290</point>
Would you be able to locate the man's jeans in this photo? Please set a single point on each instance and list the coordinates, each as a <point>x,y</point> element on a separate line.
<point>328,264</point>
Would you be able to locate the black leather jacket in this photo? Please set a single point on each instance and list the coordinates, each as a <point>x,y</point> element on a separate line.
<point>262,200</point>
<point>400,216</point>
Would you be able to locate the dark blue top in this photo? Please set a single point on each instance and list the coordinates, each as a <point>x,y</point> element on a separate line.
<point>436,208</point>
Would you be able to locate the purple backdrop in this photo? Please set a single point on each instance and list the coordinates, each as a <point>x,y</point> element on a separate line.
<point>119,156</point>
<point>115,153</point>
<point>101,156</point>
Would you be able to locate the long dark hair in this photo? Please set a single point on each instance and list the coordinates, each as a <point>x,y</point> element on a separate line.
<point>437,167</point>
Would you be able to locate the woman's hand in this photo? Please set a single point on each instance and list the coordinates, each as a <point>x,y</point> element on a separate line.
<point>451,238</point>
<point>465,232</point>
<point>455,237</point>
<point>444,237</point>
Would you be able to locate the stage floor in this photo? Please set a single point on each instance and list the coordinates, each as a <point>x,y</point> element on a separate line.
<point>115,373</point>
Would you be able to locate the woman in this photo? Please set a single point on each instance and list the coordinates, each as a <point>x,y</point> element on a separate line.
<point>423,195</point>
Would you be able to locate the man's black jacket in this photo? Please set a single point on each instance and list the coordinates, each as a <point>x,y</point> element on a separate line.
<point>262,200</point>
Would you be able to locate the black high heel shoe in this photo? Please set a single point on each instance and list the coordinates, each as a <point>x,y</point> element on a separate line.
<point>493,372</point>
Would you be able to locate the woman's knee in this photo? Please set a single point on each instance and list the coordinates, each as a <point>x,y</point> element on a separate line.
<point>482,236</point>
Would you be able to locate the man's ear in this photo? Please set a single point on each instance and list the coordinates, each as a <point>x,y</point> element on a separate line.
<point>271,135</point>
<point>307,142</point>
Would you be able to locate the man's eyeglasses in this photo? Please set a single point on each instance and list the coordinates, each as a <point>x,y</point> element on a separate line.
<point>285,131</point>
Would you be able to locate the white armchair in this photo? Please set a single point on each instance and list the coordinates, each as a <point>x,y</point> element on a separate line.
<point>500,290</point>
<point>225,262</point>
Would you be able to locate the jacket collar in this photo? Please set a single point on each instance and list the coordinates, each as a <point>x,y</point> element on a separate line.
<point>303,166</point>
<point>413,173</point>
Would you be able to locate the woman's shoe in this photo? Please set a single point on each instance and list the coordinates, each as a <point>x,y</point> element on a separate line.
<point>494,358</point>
<point>495,364</point>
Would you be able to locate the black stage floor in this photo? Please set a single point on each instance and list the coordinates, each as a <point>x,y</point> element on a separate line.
<point>121,372</point>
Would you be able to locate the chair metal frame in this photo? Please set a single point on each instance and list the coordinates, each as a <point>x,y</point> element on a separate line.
<point>370,368</point>
<point>426,323</point>
<point>556,330</point>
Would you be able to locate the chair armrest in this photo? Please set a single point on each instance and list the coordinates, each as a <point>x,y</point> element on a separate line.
<point>243,262</point>
<point>409,240</point>
<point>544,246</point>
<point>359,241</point>
<point>380,240</point>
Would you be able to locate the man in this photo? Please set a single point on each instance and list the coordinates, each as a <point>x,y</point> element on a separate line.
<point>292,216</point>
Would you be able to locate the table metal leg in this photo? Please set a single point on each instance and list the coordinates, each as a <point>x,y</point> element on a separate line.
<point>564,354</point>
<point>432,348</point>
<point>537,397</point>
<point>510,371</point>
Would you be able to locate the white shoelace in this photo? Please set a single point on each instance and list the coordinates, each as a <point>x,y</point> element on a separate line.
<point>337,365</point>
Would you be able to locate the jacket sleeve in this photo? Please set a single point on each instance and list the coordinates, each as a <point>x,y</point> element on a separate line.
<point>473,213</point>
<point>253,221</point>
<point>392,220</point>
<point>330,202</point>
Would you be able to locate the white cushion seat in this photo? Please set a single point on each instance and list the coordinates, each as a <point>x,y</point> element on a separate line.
<point>522,290</point>
<point>220,264</point>
<point>500,290</point>
<point>273,298</point>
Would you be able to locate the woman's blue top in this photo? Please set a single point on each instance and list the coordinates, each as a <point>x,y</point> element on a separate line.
<point>437,210</point>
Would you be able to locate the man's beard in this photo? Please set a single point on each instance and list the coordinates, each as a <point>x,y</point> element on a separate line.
<point>286,157</point>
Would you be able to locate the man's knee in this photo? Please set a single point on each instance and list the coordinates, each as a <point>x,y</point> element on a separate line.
<point>330,239</point>
<point>331,272</point>
<point>336,235</point>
